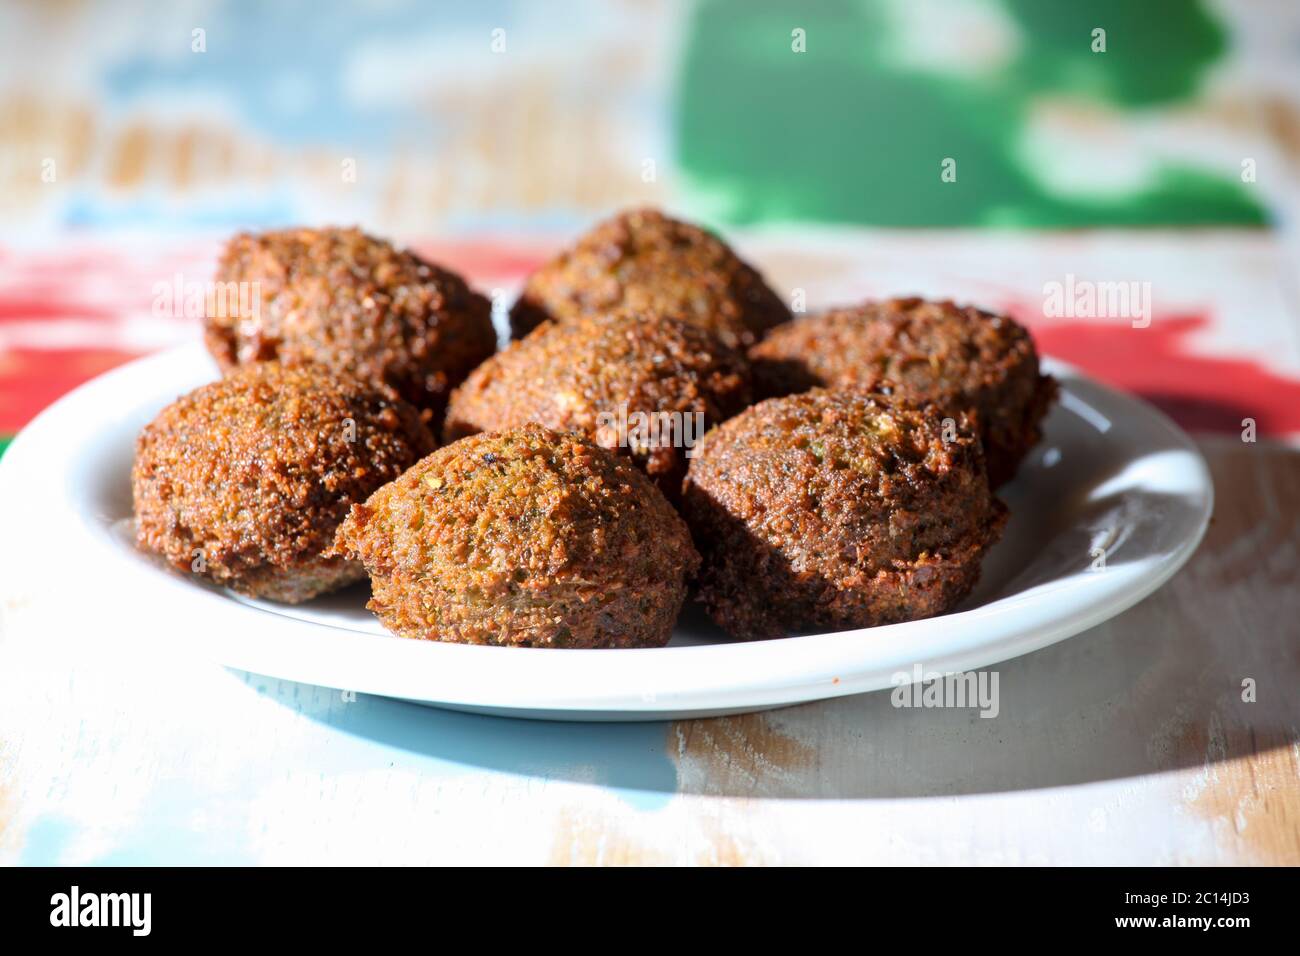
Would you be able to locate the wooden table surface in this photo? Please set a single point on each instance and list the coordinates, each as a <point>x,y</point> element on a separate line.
<point>1130,743</point>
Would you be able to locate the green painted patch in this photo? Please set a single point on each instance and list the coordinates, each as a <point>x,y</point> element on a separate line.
<point>849,132</point>
<point>4,443</point>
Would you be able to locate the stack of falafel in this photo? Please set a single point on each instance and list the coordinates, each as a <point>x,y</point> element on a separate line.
<point>858,490</point>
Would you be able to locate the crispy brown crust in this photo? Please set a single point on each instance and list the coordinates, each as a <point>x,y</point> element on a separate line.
<point>644,262</point>
<point>353,303</point>
<point>930,351</point>
<point>528,537</point>
<point>838,510</point>
<point>256,472</point>
<point>567,375</point>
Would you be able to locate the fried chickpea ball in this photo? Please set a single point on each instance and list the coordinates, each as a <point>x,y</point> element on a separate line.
<point>353,303</point>
<point>642,261</point>
<point>931,351</point>
<point>647,387</point>
<point>246,479</point>
<point>527,538</point>
<point>833,510</point>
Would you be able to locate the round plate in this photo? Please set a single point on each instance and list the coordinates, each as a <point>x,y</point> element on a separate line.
<point>1110,504</point>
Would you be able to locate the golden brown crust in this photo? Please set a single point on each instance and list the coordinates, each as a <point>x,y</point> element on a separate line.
<point>353,303</point>
<point>597,375</point>
<point>245,480</point>
<point>929,351</point>
<point>528,537</point>
<point>644,262</point>
<point>838,510</point>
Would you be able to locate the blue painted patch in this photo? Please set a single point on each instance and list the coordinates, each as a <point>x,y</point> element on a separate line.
<point>631,759</point>
<point>283,67</point>
<point>45,841</point>
<point>234,213</point>
<point>165,832</point>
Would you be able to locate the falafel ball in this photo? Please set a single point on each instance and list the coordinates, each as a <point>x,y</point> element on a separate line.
<point>931,351</point>
<point>647,387</point>
<point>643,261</point>
<point>353,303</point>
<point>528,538</point>
<point>834,510</point>
<point>246,479</point>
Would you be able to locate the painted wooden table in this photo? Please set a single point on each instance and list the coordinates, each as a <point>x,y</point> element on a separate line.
<point>1131,743</point>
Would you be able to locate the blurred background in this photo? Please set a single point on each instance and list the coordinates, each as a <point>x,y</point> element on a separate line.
<point>135,136</point>
<point>471,116</point>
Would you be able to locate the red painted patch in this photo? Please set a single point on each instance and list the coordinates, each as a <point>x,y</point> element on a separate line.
<point>31,379</point>
<point>1200,392</point>
<point>19,308</point>
<point>481,261</point>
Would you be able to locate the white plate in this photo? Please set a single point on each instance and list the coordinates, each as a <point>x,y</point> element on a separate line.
<point>1112,475</point>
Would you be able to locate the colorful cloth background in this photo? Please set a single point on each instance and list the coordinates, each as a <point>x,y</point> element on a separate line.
<point>136,136</point>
